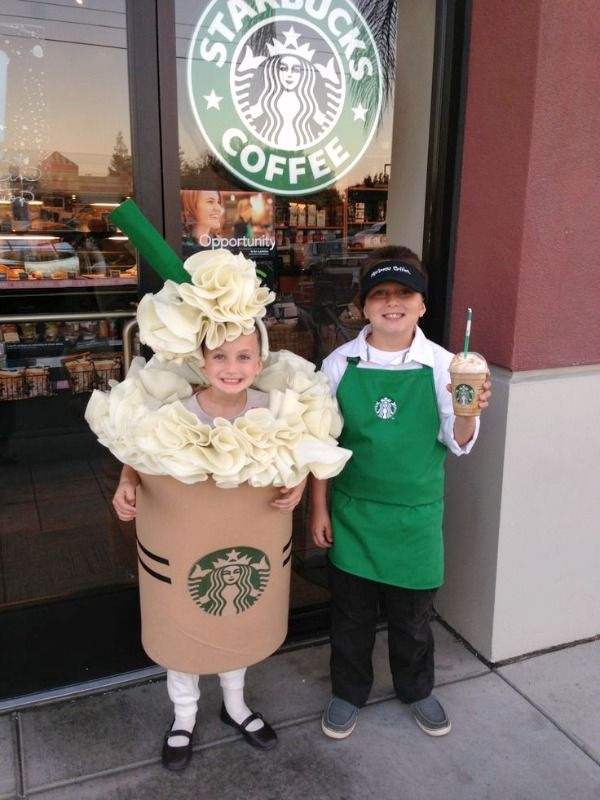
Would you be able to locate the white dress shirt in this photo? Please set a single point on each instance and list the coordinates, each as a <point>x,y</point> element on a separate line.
<point>421,352</point>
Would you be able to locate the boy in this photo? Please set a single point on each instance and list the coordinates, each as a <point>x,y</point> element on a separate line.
<point>385,530</point>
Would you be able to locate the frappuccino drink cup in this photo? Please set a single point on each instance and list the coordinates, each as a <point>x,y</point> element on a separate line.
<point>468,372</point>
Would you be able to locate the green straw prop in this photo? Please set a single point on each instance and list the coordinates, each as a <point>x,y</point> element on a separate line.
<point>468,331</point>
<point>148,241</point>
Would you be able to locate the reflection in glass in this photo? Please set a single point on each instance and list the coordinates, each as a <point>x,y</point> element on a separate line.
<point>64,163</point>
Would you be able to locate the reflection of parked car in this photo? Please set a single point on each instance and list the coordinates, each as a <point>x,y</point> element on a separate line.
<point>372,237</point>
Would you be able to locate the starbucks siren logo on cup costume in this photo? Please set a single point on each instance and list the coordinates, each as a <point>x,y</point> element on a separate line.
<point>229,581</point>
<point>287,93</point>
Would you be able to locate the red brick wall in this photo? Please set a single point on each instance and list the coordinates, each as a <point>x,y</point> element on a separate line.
<point>528,246</point>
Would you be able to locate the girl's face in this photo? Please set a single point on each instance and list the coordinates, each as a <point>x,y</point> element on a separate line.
<point>290,71</point>
<point>209,210</point>
<point>231,368</point>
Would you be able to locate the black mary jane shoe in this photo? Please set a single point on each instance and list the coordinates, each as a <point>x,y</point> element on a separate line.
<point>176,758</point>
<point>264,738</point>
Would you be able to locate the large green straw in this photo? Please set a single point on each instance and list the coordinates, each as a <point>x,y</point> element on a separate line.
<point>468,331</point>
<point>150,244</point>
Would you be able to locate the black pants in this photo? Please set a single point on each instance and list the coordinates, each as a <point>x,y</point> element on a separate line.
<point>354,609</point>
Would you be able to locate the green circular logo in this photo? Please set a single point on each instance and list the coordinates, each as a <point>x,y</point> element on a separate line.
<point>464,394</point>
<point>227,582</point>
<point>287,93</point>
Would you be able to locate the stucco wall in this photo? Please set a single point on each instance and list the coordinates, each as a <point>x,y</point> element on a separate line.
<point>522,522</point>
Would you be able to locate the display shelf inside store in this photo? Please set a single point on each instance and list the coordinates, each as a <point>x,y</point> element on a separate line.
<point>67,282</point>
<point>40,351</point>
<point>380,188</point>
<point>366,222</point>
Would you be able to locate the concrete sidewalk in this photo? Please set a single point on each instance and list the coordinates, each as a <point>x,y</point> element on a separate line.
<point>529,731</point>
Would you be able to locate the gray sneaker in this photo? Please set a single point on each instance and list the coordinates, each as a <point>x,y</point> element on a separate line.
<point>339,718</point>
<point>430,716</point>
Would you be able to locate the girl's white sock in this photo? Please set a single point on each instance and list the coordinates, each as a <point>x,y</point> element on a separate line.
<point>232,684</point>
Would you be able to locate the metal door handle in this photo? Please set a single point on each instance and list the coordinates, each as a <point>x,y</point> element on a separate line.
<point>129,329</point>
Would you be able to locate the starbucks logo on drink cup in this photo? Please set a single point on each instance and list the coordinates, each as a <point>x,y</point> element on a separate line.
<point>464,394</point>
<point>287,93</point>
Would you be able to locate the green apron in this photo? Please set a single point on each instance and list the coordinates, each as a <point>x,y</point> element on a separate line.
<point>388,502</point>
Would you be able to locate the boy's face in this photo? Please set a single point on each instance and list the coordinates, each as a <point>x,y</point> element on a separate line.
<point>393,311</point>
<point>232,367</point>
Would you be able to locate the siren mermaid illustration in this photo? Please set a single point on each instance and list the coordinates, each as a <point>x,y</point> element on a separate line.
<point>287,113</point>
<point>230,585</point>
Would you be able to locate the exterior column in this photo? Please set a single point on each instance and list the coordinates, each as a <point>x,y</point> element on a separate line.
<point>523,511</point>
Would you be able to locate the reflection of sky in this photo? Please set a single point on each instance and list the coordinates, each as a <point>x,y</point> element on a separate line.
<point>67,81</point>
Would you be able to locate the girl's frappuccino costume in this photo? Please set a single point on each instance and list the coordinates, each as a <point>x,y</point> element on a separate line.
<point>214,556</point>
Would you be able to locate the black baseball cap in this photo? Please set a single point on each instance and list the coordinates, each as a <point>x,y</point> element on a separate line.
<point>392,270</point>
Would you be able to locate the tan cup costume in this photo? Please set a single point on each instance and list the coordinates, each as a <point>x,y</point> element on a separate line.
<point>214,556</point>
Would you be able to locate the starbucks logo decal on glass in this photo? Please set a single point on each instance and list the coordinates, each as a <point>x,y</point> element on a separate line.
<point>286,93</point>
<point>227,582</point>
<point>385,408</point>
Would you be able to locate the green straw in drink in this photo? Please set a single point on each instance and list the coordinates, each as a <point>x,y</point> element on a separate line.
<point>468,331</point>
<point>149,243</point>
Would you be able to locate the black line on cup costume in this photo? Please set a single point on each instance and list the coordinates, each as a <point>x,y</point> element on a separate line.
<point>154,557</point>
<point>287,547</point>
<point>154,574</point>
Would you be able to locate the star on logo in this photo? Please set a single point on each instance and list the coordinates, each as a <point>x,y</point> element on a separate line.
<point>360,112</point>
<point>212,100</point>
<point>291,37</point>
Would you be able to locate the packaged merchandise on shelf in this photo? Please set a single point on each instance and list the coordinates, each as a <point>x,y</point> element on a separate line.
<point>51,331</point>
<point>12,384</point>
<point>88,330</point>
<point>37,382</point>
<point>70,331</point>
<point>107,367</point>
<point>88,371</point>
<point>80,372</point>
<point>24,383</point>
<point>301,209</point>
<point>29,333</point>
<point>10,333</point>
<point>293,215</point>
<point>286,311</point>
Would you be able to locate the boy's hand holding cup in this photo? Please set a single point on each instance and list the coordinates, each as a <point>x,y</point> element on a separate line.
<point>468,374</point>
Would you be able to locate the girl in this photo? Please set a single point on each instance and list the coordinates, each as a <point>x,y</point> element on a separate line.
<point>230,370</point>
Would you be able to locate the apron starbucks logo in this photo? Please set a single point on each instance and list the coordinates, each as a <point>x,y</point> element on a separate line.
<point>228,582</point>
<point>287,93</point>
<point>464,394</point>
<point>385,408</point>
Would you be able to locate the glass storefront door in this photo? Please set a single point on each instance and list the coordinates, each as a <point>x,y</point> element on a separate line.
<point>286,128</point>
<point>68,287</point>
<point>285,140</point>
